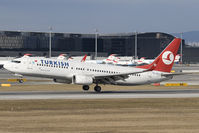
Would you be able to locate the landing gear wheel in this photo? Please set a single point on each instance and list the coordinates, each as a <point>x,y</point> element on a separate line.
<point>97,88</point>
<point>20,80</point>
<point>85,87</point>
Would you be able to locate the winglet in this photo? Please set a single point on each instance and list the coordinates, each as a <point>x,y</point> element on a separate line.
<point>62,57</point>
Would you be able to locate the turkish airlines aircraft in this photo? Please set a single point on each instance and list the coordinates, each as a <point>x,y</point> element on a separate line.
<point>85,74</point>
<point>67,58</point>
<point>110,60</point>
<point>134,62</point>
<point>149,61</point>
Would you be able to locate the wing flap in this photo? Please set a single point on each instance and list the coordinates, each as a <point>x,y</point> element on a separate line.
<point>114,77</point>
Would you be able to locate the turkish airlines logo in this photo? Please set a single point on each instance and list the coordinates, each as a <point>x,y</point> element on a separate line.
<point>167,57</point>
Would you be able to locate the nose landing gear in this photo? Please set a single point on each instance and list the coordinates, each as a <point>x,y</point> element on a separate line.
<point>85,87</point>
<point>20,80</point>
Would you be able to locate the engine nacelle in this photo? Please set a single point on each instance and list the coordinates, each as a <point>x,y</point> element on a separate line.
<point>82,80</point>
<point>62,81</point>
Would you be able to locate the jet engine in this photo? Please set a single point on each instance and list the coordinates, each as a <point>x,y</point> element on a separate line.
<point>82,80</point>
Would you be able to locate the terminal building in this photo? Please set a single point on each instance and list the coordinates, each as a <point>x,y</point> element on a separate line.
<point>149,45</point>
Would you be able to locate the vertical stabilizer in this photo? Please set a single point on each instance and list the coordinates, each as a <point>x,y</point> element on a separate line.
<point>164,62</point>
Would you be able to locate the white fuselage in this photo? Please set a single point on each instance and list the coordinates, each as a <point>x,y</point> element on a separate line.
<point>56,69</point>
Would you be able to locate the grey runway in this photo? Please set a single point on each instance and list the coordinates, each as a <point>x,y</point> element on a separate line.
<point>104,95</point>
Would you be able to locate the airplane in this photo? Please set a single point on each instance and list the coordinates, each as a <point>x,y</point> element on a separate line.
<point>134,62</point>
<point>110,60</point>
<point>148,61</point>
<point>65,57</point>
<point>2,62</point>
<point>85,74</point>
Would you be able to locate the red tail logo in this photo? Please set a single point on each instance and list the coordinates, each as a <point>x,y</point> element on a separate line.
<point>167,57</point>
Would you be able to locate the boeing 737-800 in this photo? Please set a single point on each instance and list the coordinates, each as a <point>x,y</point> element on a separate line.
<point>85,74</point>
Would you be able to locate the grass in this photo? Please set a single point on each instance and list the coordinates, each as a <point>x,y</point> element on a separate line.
<point>100,116</point>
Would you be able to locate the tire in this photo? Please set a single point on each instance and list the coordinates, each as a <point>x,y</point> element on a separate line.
<point>85,87</point>
<point>97,89</point>
<point>21,81</point>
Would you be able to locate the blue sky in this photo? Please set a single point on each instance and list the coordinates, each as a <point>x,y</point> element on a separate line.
<point>108,16</point>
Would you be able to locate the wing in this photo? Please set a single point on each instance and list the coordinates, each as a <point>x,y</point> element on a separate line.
<point>110,79</point>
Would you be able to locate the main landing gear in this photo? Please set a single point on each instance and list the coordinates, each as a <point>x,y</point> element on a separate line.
<point>85,87</point>
<point>96,88</point>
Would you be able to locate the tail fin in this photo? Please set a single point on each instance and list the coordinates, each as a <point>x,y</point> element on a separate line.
<point>84,58</point>
<point>115,61</point>
<point>110,59</point>
<point>27,55</point>
<point>142,59</point>
<point>62,57</point>
<point>164,62</point>
<point>177,58</point>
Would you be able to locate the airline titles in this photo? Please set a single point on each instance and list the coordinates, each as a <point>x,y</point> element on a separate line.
<point>55,63</point>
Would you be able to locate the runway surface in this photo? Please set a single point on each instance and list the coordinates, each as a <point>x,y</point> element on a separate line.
<point>103,95</point>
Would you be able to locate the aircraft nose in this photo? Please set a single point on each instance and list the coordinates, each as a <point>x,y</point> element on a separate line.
<point>6,65</point>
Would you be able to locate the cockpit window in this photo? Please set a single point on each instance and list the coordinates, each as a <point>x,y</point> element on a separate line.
<point>16,61</point>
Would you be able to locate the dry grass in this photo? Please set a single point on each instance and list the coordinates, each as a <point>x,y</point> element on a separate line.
<point>100,116</point>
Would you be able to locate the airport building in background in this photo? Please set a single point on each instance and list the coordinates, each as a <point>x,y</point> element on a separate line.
<point>149,45</point>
